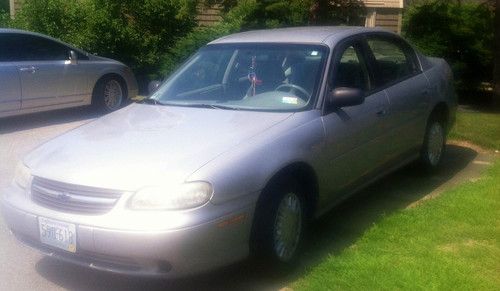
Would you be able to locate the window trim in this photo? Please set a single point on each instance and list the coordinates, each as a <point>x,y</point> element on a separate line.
<point>331,71</point>
<point>405,47</point>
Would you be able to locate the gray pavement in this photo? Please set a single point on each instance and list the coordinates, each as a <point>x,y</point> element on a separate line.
<point>25,269</point>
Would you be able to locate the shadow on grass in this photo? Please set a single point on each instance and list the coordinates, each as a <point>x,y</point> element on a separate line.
<point>330,235</point>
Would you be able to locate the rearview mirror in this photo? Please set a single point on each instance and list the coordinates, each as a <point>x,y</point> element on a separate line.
<point>153,86</point>
<point>73,57</point>
<point>345,97</point>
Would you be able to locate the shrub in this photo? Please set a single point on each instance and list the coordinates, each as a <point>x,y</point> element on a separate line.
<point>460,33</point>
<point>134,32</point>
<point>187,45</point>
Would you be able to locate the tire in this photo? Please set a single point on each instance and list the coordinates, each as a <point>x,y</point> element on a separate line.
<point>109,94</point>
<point>434,145</point>
<point>279,224</point>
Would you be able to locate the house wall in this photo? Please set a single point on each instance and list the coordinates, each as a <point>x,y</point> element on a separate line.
<point>15,5</point>
<point>383,13</point>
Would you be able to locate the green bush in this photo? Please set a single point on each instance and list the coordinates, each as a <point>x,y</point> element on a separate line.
<point>189,44</point>
<point>134,32</point>
<point>460,33</point>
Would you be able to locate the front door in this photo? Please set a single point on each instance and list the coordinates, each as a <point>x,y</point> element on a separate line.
<point>354,143</point>
<point>10,86</point>
<point>45,71</point>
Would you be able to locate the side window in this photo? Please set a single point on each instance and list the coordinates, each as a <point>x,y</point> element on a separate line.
<point>8,48</point>
<point>351,70</point>
<point>34,48</point>
<point>393,61</point>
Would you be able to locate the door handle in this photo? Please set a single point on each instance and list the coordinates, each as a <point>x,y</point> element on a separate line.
<point>382,112</point>
<point>30,69</point>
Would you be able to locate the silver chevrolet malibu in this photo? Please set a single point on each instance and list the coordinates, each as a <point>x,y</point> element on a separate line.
<point>39,73</point>
<point>255,136</point>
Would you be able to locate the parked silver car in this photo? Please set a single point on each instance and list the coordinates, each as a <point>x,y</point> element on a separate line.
<point>39,73</point>
<point>253,137</point>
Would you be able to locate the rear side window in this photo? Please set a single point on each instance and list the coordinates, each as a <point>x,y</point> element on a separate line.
<point>393,60</point>
<point>21,47</point>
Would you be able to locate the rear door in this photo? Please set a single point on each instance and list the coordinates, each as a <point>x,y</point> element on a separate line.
<point>10,85</point>
<point>354,143</point>
<point>398,72</point>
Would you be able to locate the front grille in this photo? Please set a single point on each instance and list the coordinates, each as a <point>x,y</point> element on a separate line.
<point>73,198</point>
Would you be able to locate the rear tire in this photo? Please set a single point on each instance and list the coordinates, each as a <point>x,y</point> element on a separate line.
<point>109,94</point>
<point>434,145</point>
<point>279,224</point>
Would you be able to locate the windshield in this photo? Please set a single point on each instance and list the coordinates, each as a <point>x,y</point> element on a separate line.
<point>277,77</point>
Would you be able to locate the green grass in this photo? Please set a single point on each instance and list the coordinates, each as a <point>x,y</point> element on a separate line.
<point>482,129</point>
<point>446,243</point>
<point>451,242</point>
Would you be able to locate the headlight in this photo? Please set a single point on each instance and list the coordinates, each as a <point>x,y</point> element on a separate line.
<point>22,176</point>
<point>184,196</point>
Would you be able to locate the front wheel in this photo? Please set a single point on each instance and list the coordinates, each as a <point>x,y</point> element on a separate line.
<point>109,94</point>
<point>434,145</point>
<point>280,223</point>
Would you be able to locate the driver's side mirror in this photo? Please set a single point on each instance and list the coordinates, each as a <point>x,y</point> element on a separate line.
<point>153,86</point>
<point>345,97</point>
<point>73,57</point>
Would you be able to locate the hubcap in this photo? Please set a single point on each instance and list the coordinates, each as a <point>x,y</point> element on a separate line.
<point>435,143</point>
<point>113,94</point>
<point>287,227</point>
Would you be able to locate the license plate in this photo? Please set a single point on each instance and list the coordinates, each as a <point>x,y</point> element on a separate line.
<point>57,234</point>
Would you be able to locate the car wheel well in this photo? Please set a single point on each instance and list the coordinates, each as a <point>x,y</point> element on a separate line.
<point>111,76</point>
<point>306,177</point>
<point>440,113</point>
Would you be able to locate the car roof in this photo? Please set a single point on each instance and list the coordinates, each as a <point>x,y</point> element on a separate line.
<point>306,34</point>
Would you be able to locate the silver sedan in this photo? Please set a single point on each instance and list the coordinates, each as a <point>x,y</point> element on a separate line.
<point>39,73</point>
<point>255,136</point>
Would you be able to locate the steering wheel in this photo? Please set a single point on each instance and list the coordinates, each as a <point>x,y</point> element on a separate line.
<point>294,89</point>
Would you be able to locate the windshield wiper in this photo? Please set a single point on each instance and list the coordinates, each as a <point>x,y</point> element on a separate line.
<point>212,106</point>
<point>151,101</point>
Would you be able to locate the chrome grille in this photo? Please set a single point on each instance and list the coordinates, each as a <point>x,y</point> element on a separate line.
<point>73,198</point>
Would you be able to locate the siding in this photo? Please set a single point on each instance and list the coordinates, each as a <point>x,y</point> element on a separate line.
<point>389,19</point>
<point>208,15</point>
<point>383,3</point>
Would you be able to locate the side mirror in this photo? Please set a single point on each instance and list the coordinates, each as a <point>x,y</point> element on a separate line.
<point>153,86</point>
<point>345,97</point>
<point>73,57</point>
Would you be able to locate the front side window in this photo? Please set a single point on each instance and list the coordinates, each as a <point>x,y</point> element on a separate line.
<point>276,77</point>
<point>393,61</point>
<point>35,48</point>
<point>351,70</point>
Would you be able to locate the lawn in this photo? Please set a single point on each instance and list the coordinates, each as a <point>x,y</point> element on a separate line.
<point>480,128</point>
<point>450,242</point>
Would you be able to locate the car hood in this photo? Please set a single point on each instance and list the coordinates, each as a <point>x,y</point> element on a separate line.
<point>144,145</point>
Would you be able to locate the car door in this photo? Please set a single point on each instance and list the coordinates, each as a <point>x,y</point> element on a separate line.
<point>399,73</point>
<point>354,144</point>
<point>10,85</point>
<point>47,75</point>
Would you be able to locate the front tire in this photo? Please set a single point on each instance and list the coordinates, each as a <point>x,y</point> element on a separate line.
<point>280,224</point>
<point>109,94</point>
<point>434,145</point>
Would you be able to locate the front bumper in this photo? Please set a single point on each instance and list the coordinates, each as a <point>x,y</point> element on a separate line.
<point>165,253</point>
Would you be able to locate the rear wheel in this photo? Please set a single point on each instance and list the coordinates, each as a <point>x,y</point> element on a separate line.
<point>109,94</point>
<point>280,222</point>
<point>434,144</point>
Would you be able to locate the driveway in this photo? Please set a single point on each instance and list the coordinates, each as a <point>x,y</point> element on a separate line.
<point>25,269</point>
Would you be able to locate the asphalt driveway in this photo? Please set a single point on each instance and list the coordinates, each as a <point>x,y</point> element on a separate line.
<point>25,269</point>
